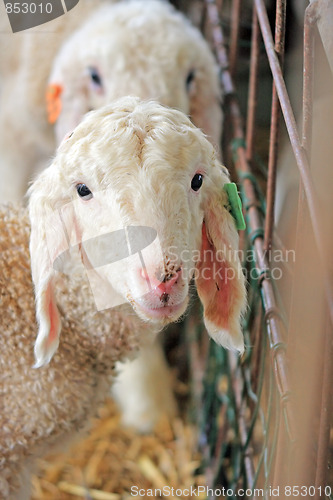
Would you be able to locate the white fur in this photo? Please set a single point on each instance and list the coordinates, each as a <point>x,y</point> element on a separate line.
<point>143,389</point>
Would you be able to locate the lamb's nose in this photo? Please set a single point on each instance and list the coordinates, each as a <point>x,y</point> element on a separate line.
<point>168,280</point>
<point>161,283</point>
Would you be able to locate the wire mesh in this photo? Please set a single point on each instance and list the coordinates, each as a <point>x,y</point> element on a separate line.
<point>266,419</point>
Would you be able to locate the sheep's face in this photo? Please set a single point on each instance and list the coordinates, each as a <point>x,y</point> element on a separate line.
<point>147,224</point>
<point>137,193</point>
<point>140,48</point>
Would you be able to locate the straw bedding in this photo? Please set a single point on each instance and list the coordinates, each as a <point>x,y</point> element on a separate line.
<point>112,459</point>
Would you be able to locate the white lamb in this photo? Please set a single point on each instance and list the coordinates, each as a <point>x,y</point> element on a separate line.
<point>132,167</point>
<point>143,48</point>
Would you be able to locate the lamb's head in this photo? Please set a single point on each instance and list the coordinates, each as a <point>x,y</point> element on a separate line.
<point>136,192</point>
<point>142,48</point>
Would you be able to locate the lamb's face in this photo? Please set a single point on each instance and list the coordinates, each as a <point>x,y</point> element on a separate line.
<point>138,48</point>
<point>138,197</point>
<point>136,194</point>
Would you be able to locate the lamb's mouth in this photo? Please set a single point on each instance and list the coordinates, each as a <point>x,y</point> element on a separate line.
<point>164,313</point>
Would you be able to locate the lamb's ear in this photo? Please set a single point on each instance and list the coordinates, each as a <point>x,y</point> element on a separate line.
<point>49,239</point>
<point>220,280</point>
<point>53,101</point>
<point>60,114</point>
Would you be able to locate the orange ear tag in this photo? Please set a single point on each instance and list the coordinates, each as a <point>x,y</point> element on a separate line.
<point>53,102</point>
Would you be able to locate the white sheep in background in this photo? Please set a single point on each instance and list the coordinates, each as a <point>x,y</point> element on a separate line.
<point>143,48</point>
<point>129,164</point>
<point>26,138</point>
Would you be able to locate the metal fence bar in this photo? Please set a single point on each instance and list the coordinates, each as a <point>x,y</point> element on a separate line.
<point>308,63</point>
<point>242,425</point>
<point>253,88</point>
<point>234,36</point>
<point>280,28</point>
<point>218,40</point>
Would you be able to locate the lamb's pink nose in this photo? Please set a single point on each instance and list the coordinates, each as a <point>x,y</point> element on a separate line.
<point>161,283</point>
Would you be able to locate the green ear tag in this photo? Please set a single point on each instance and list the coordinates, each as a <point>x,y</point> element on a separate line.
<point>235,204</point>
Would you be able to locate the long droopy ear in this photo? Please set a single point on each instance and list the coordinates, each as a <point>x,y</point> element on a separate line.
<point>220,280</point>
<point>51,236</point>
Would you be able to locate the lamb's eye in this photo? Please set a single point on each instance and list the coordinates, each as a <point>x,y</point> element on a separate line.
<point>84,192</point>
<point>190,79</point>
<point>197,182</point>
<point>95,77</point>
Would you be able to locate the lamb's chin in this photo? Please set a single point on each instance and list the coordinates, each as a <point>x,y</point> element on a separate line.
<point>162,314</point>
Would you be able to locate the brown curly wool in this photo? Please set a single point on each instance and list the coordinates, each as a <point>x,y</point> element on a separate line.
<point>40,406</point>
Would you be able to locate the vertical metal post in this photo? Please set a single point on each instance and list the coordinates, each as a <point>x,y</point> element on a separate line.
<point>280,24</point>
<point>308,64</point>
<point>253,86</point>
<point>235,24</point>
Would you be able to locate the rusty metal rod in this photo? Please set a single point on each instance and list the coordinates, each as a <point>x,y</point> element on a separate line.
<point>242,427</point>
<point>253,87</point>
<point>308,69</point>
<point>300,155</point>
<point>218,39</point>
<point>280,28</point>
<point>234,36</point>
